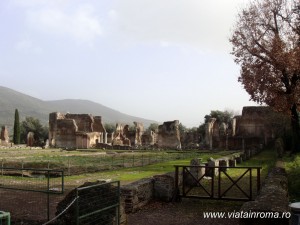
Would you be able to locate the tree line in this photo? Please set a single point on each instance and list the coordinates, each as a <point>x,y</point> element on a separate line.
<point>30,124</point>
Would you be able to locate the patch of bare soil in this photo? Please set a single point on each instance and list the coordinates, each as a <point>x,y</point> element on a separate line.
<point>186,212</point>
<point>28,208</point>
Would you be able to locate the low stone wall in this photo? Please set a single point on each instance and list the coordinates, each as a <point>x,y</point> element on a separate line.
<point>273,197</point>
<point>137,194</point>
<point>164,187</point>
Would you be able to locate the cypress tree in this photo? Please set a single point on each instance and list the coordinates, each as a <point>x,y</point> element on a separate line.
<point>17,128</point>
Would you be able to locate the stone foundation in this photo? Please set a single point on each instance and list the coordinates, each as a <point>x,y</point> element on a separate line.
<point>137,194</point>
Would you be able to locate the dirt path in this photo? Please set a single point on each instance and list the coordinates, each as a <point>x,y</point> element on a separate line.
<point>186,212</point>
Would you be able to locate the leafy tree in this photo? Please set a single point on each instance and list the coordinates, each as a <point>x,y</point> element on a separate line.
<point>152,127</point>
<point>31,124</point>
<point>17,137</point>
<point>110,127</point>
<point>266,44</point>
<point>182,128</point>
<point>221,116</point>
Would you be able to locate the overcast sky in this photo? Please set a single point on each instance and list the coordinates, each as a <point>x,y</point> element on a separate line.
<point>156,59</point>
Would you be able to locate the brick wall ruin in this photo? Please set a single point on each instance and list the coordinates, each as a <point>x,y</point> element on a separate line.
<point>123,136</point>
<point>169,135</point>
<point>4,140</point>
<point>257,126</point>
<point>75,130</point>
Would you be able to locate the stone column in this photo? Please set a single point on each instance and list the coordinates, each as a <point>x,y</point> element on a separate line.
<point>101,137</point>
<point>105,137</point>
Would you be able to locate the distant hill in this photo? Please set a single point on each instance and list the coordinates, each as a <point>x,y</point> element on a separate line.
<point>30,106</point>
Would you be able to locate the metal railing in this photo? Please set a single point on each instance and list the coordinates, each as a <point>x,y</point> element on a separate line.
<point>98,204</point>
<point>217,182</point>
<point>44,181</point>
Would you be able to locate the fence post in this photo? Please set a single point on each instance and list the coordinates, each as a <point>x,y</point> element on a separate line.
<point>250,184</point>
<point>118,208</point>
<point>258,179</point>
<point>133,160</point>
<point>63,182</point>
<point>213,182</point>
<point>2,165</point>
<point>48,195</point>
<point>22,167</point>
<point>69,167</point>
<point>177,193</point>
<point>219,182</point>
<point>77,207</point>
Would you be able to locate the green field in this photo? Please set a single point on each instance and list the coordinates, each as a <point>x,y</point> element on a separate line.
<point>127,166</point>
<point>84,165</point>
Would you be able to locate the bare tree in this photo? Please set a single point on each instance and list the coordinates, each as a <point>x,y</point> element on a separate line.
<point>266,44</point>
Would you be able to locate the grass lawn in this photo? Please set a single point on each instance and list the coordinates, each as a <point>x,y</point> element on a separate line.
<point>265,159</point>
<point>127,175</point>
<point>125,166</point>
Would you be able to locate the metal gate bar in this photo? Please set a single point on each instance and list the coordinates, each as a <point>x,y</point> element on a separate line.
<point>182,173</point>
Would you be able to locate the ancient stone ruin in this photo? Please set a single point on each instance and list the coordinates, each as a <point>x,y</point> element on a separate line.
<point>169,135</point>
<point>75,130</point>
<point>149,139</point>
<point>4,136</point>
<point>126,137</point>
<point>256,127</point>
<point>120,137</point>
<point>30,139</point>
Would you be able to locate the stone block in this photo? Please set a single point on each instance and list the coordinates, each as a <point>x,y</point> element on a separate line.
<point>137,194</point>
<point>210,168</point>
<point>232,162</point>
<point>164,187</point>
<point>238,159</point>
<point>223,163</point>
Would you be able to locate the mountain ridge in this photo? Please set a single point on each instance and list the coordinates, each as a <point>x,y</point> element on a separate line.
<point>40,109</point>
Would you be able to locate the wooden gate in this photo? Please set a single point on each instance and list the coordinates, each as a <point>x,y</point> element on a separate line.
<point>227,183</point>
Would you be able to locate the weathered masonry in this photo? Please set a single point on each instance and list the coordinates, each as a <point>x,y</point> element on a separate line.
<point>169,135</point>
<point>75,130</point>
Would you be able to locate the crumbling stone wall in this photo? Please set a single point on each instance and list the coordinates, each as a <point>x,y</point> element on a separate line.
<point>149,138</point>
<point>121,136</point>
<point>164,187</point>
<point>4,136</point>
<point>260,122</point>
<point>190,140</point>
<point>30,139</point>
<point>258,125</point>
<point>139,130</point>
<point>252,121</point>
<point>169,135</point>
<point>137,194</point>
<point>75,130</point>
<point>209,131</point>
